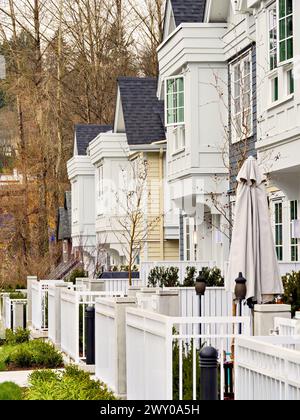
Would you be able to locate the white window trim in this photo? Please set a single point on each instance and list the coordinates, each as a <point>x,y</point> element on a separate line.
<point>239,60</point>
<point>180,76</point>
<point>290,60</point>
<point>179,130</point>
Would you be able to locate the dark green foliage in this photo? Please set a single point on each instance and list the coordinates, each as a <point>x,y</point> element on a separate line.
<point>32,355</point>
<point>79,273</point>
<point>18,337</point>
<point>71,385</point>
<point>17,296</point>
<point>187,363</point>
<point>190,277</point>
<point>163,277</point>
<point>213,277</point>
<point>291,284</point>
<point>10,392</point>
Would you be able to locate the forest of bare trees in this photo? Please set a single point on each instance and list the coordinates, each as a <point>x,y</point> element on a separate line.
<point>62,61</point>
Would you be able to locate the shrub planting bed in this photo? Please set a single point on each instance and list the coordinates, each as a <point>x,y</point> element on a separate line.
<point>73,384</point>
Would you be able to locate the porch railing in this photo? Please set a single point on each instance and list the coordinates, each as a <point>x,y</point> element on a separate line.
<point>39,296</point>
<point>267,368</point>
<point>151,357</point>
<point>73,306</point>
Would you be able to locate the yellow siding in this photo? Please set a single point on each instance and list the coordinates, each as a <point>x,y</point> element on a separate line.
<point>157,248</point>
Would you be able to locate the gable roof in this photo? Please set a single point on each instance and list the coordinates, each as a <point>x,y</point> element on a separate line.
<point>64,219</point>
<point>143,112</point>
<point>85,133</point>
<point>188,11</point>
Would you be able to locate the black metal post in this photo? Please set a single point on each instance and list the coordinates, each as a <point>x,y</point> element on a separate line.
<point>200,325</point>
<point>240,314</point>
<point>90,335</point>
<point>209,374</point>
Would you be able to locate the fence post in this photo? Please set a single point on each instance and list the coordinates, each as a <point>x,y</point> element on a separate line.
<point>209,374</point>
<point>90,335</point>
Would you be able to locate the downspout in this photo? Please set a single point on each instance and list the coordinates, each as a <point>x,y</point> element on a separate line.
<point>161,203</point>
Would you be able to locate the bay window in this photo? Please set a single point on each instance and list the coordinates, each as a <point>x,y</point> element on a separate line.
<point>174,100</point>
<point>241,88</point>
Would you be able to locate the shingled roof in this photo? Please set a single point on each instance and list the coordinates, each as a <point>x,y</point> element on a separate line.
<point>64,219</point>
<point>143,112</point>
<point>85,133</point>
<point>188,11</point>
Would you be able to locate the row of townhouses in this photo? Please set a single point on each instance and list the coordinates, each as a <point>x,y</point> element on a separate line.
<point>228,88</point>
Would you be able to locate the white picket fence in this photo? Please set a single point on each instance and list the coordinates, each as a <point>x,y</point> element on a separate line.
<point>14,313</point>
<point>116,285</point>
<point>287,327</point>
<point>73,306</point>
<point>150,340</point>
<point>267,368</point>
<point>39,296</point>
<point>146,267</point>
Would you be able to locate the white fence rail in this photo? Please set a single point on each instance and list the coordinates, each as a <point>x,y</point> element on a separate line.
<point>146,267</point>
<point>73,306</point>
<point>150,345</point>
<point>39,296</point>
<point>120,285</point>
<point>267,368</point>
<point>287,327</point>
<point>14,313</point>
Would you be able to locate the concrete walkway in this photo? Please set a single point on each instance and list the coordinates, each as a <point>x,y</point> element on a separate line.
<point>19,378</point>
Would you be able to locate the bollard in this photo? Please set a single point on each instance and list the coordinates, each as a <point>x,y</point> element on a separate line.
<point>209,374</point>
<point>90,335</point>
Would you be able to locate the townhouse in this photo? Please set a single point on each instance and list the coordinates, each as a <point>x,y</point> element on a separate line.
<point>138,130</point>
<point>193,74</point>
<point>102,168</point>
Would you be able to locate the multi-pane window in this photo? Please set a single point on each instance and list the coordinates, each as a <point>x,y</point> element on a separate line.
<point>273,36</point>
<point>290,82</point>
<point>188,240</point>
<point>174,101</point>
<point>179,134</point>
<point>279,230</point>
<point>242,98</point>
<point>286,30</point>
<point>294,242</point>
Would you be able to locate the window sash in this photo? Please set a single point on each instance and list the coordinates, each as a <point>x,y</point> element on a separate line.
<point>279,230</point>
<point>285,30</point>
<point>242,108</point>
<point>175,100</point>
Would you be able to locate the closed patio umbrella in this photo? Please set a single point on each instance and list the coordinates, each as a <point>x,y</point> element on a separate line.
<point>252,249</point>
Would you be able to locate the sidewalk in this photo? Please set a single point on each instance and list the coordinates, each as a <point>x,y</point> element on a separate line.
<point>19,378</point>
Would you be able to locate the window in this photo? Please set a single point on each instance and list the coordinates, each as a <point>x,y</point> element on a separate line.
<point>290,82</point>
<point>273,36</point>
<point>175,101</point>
<point>179,134</point>
<point>294,242</point>
<point>275,89</point>
<point>188,240</point>
<point>279,230</point>
<point>242,98</point>
<point>286,47</point>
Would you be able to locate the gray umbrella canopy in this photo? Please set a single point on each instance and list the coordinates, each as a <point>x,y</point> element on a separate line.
<point>252,249</point>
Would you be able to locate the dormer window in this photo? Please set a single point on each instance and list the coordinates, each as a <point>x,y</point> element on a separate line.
<point>174,100</point>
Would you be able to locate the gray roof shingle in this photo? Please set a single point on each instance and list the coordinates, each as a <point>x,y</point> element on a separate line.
<point>64,219</point>
<point>188,11</point>
<point>143,112</point>
<point>85,133</point>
